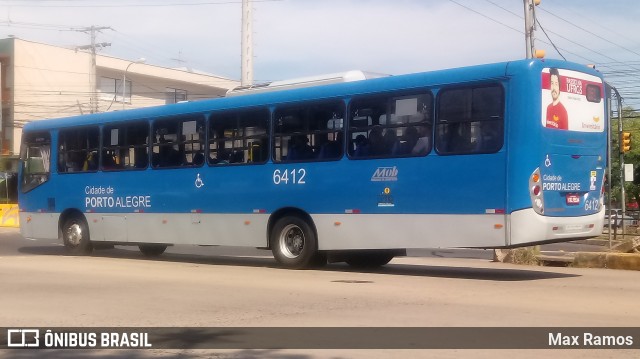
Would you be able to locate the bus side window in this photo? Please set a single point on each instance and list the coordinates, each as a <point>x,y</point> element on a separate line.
<point>308,132</point>
<point>178,142</point>
<point>470,120</point>
<point>76,148</point>
<point>392,126</point>
<point>125,146</point>
<point>238,137</point>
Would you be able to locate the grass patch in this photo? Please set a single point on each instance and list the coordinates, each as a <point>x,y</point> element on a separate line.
<point>525,255</point>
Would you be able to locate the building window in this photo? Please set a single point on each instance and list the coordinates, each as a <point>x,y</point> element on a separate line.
<point>111,90</point>
<point>175,95</point>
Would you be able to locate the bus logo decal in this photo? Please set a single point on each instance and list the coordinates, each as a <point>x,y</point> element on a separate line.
<point>385,174</point>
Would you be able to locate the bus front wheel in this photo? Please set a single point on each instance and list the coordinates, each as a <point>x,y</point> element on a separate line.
<point>293,243</point>
<point>75,236</point>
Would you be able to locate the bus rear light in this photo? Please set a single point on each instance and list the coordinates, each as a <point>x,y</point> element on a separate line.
<point>164,221</point>
<point>555,228</point>
<point>196,211</point>
<point>535,192</point>
<point>591,225</point>
<point>139,211</point>
<point>246,223</point>
<point>498,226</point>
<point>29,219</point>
<point>352,211</point>
<point>259,211</point>
<point>337,223</point>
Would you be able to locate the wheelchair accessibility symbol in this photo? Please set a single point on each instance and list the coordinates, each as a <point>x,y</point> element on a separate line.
<point>199,182</point>
<point>547,162</point>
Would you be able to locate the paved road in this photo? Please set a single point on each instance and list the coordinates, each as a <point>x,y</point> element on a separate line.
<point>40,286</point>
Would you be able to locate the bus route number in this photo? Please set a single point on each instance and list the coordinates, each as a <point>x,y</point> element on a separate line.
<point>592,205</point>
<point>295,176</point>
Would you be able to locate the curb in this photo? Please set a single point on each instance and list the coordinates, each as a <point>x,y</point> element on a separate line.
<point>627,261</point>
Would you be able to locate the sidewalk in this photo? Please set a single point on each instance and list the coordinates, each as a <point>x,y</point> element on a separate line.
<point>594,253</point>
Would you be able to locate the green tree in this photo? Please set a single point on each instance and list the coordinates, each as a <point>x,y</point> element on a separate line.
<point>631,123</point>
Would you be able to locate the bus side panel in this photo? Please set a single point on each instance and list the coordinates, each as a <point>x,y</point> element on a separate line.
<point>420,202</point>
<point>242,230</point>
<point>34,225</point>
<point>370,231</point>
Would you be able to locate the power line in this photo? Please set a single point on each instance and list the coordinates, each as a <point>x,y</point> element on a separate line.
<point>590,32</point>
<point>485,16</point>
<point>131,5</point>
<point>552,44</point>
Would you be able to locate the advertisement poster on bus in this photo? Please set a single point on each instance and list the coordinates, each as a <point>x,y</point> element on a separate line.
<point>572,101</point>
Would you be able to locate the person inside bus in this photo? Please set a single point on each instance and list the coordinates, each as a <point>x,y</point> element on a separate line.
<point>423,145</point>
<point>91,162</point>
<point>300,149</point>
<point>407,143</point>
<point>220,156</point>
<point>390,139</point>
<point>490,138</point>
<point>73,162</point>
<point>361,146</point>
<point>332,149</point>
<point>198,159</point>
<point>376,142</point>
<point>108,161</point>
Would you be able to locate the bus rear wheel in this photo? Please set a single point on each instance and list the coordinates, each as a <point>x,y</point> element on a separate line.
<point>152,250</point>
<point>75,236</point>
<point>293,243</point>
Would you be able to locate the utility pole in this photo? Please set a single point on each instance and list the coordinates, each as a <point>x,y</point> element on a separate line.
<point>92,76</point>
<point>530,26</point>
<point>529,22</point>
<point>246,59</point>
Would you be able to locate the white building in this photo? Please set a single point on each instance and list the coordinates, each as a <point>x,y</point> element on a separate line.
<point>40,81</point>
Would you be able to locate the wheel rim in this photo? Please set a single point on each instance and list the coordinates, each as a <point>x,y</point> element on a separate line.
<point>291,241</point>
<point>73,234</point>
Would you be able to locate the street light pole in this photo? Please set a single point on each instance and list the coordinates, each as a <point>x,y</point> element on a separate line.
<point>124,78</point>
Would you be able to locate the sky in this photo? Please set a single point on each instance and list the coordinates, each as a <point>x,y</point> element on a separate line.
<point>296,38</point>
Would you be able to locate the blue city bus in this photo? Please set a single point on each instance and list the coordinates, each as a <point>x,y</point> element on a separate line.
<point>491,156</point>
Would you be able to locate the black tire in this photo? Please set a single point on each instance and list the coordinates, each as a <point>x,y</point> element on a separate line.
<point>76,237</point>
<point>294,244</point>
<point>152,250</point>
<point>369,259</point>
